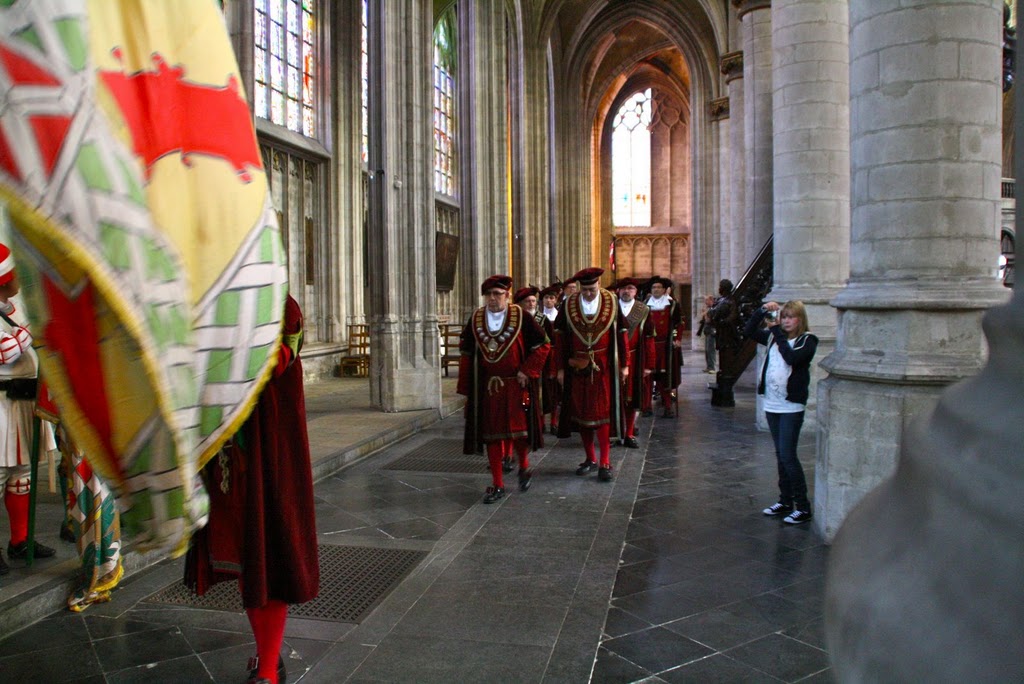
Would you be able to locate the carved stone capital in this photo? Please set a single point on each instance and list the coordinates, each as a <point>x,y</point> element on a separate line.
<point>731,65</point>
<point>744,6</point>
<point>718,109</point>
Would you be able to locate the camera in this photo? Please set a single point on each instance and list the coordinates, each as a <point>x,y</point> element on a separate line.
<point>772,316</point>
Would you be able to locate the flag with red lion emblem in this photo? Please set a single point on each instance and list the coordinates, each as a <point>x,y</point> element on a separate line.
<point>144,234</point>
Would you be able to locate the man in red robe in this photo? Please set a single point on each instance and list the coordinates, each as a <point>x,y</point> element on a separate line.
<point>503,351</point>
<point>590,343</point>
<point>640,342</point>
<point>262,527</point>
<point>667,317</point>
<point>550,298</point>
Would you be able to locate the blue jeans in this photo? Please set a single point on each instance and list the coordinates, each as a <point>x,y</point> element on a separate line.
<point>785,429</point>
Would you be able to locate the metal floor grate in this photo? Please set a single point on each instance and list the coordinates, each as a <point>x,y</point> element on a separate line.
<point>441,456</point>
<point>353,580</point>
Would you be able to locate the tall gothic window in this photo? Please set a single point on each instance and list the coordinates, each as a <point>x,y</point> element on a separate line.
<point>631,162</point>
<point>444,105</point>
<point>285,63</point>
<point>364,83</point>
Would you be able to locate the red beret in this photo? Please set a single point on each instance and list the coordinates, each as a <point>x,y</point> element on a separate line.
<point>503,282</point>
<point>623,282</point>
<point>554,289</point>
<point>588,276</point>
<point>665,282</point>
<point>524,292</point>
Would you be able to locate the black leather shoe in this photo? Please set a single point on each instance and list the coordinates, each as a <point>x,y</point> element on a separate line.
<point>630,443</point>
<point>493,494</point>
<point>21,551</point>
<point>4,568</point>
<point>604,474</point>
<point>254,677</point>
<point>506,465</point>
<point>647,414</point>
<point>554,430</point>
<point>586,467</point>
<point>525,479</point>
<point>67,533</point>
<point>669,412</point>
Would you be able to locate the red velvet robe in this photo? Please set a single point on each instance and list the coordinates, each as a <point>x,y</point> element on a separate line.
<point>640,342</point>
<point>498,408</point>
<point>591,394</point>
<point>668,327</point>
<point>263,528</point>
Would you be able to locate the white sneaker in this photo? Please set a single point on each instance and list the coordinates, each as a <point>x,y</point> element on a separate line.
<point>797,517</point>
<point>778,509</point>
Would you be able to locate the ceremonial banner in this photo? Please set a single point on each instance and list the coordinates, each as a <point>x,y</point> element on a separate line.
<point>144,237</point>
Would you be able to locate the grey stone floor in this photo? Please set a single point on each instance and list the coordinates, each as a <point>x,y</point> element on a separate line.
<point>668,574</point>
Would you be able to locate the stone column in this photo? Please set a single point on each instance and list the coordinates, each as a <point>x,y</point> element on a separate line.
<point>718,251</point>
<point>811,146</point>
<point>404,369</point>
<point>483,148</point>
<point>925,149</point>
<point>755,16</point>
<point>732,69</point>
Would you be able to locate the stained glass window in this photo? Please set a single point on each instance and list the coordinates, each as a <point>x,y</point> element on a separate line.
<point>444,105</point>
<point>285,63</point>
<point>631,162</point>
<point>364,89</point>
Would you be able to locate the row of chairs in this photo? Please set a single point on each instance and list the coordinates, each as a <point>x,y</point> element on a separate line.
<point>357,361</point>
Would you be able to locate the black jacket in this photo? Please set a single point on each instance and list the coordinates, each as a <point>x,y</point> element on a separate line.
<point>798,357</point>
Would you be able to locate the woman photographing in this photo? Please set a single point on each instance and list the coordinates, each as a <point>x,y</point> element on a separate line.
<point>784,381</point>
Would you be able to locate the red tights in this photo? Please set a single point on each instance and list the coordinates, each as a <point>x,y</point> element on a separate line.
<point>496,452</point>
<point>17,511</point>
<point>267,623</point>
<point>603,440</point>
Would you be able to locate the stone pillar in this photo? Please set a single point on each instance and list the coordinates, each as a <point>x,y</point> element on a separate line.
<point>732,69</point>
<point>719,114</point>
<point>811,146</point>
<point>925,149</point>
<point>483,145</point>
<point>404,369</point>
<point>756,18</point>
<point>934,593</point>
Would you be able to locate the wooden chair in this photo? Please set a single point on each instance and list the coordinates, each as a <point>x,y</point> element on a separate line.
<point>358,358</point>
<point>449,345</point>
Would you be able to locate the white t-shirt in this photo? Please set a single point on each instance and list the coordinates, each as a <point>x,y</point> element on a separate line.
<point>775,380</point>
<point>590,308</point>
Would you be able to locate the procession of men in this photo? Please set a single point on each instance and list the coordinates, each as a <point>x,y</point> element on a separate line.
<point>572,357</point>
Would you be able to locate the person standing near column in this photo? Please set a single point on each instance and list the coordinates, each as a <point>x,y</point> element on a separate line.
<point>503,353</point>
<point>640,342</point>
<point>590,343</point>
<point>18,388</point>
<point>667,317</point>
<point>784,381</point>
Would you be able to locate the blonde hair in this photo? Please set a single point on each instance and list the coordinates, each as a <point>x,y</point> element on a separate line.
<point>796,308</point>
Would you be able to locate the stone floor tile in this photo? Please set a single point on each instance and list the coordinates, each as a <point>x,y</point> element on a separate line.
<point>619,623</point>
<point>63,663</point>
<point>717,669</point>
<point>656,649</point>
<point>721,629</point>
<point>781,657</point>
<point>185,669</point>
<point>141,648</point>
<point>614,669</point>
